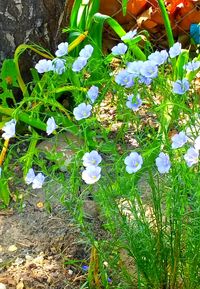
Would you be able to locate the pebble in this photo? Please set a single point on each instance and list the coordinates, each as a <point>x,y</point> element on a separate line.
<point>2,286</point>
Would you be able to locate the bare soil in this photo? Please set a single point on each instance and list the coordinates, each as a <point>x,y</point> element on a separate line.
<point>35,244</point>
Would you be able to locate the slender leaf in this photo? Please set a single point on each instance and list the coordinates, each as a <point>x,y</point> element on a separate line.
<point>124,6</point>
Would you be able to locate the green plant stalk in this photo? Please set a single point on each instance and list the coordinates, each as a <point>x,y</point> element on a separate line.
<point>21,48</point>
<point>31,151</point>
<point>22,116</point>
<point>124,6</point>
<point>167,23</point>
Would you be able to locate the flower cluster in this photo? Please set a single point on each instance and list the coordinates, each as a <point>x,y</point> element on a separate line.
<point>82,60</point>
<point>192,155</point>
<point>36,180</point>
<point>145,71</point>
<point>83,110</point>
<point>92,171</point>
<point>56,65</point>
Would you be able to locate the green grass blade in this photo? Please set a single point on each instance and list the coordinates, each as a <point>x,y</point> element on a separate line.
<point>97,30</point>
<point>124,6</point>
<point>74,13</point>
<point>179,67</point>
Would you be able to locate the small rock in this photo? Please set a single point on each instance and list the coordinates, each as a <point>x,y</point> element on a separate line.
<point>2,286</point>
<point>70,272</point>
<point>90,209</point>
<point>12,248</point>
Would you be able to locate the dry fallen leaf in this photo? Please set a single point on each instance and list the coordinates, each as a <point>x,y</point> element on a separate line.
<point>20,285</point>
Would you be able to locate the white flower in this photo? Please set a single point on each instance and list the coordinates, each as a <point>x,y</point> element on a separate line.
<point>9,129</point>
<point>91,174</point>
<point>51,125</point>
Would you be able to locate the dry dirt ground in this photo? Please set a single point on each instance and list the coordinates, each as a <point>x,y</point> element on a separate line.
<point>35,245</point>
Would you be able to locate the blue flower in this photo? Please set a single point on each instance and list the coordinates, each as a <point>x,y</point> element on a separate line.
<point>91,174</point>
<point>133,162</point>
<point>92,93</point>
<point>62,49</point>
<point>86,52</point>
<point>178,140</point>
<point>58,65</point>
<point>181,86</point>
<point>51,125</point>
<point>36,180</point>
<point>91,159</point>
<point>44,65</point>
<point>197,143</point>
<point>145,80</point>
<point>83,110</point>
<point>79,64</point>
<point>124,78</point>
<point>175,50</point>
<point>134,68</point>
<point>30,177</point>
<point>163,163</point>
<point>119,49</point>
<point>134,102</point>
<point>85,267</point>
<point>192,65</point>
<point>191,157</point>
<point>149,69</point>
<point>158,57</point>
<point>129,35</point>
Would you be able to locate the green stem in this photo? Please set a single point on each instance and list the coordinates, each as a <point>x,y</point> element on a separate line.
<point>24,117</point>
<point>166,22</point>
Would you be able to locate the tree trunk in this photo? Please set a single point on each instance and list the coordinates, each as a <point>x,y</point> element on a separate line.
<point>36,21</point>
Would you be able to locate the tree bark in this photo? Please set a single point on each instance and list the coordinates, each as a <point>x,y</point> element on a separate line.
<point>26,21</point>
